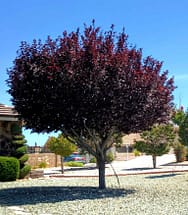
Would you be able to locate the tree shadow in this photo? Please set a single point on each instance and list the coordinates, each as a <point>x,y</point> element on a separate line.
<point>43,194</point>
<point>80,169</point>
<point>139,169</point>
<point>176,164</point>
<point>161,176</point>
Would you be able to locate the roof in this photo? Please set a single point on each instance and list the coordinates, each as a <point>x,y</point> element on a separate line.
<point>8,113</point>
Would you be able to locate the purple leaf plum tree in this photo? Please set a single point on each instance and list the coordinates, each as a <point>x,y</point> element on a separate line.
<point>89,85</point>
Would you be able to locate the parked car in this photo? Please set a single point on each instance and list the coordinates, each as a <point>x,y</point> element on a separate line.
<point>75,157</point>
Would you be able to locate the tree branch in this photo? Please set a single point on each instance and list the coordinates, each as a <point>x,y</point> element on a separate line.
<point>81,142</point>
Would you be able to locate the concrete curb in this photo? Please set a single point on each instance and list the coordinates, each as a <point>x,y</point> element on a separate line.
<point>120,174</point>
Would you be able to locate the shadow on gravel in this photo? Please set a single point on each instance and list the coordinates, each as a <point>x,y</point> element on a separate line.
<point>161,176</point>
<point>52,194</point>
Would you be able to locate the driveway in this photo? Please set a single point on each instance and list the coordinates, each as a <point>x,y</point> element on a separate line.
<point>138,165</point>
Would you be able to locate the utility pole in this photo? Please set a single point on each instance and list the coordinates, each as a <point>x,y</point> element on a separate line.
<point>127,151</point>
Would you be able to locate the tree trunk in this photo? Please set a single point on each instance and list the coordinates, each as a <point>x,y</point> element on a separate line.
<point>101,167</point>
<point>154,157</point>
<point>62,166</point>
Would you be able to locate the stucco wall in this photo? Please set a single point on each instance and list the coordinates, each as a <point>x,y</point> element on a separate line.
<point>50,159</point>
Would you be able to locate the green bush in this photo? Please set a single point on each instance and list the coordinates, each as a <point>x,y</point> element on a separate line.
<point>21,151</point>
<point>43,164</point>
<point>24,158</point>
<point>9,169</point>
<point>16,129</point>
<point>180,152</point>
<point>25,171</point>
<point>18,140</point>
<point>74,164</point>
<point>136,152</point>
<point>109,157</point>
<point>93,160</point>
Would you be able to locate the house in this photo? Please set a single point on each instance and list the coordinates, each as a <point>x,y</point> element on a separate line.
<point>8,118</point>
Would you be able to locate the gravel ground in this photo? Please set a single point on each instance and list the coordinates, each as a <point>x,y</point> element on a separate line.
<point>155,194</point>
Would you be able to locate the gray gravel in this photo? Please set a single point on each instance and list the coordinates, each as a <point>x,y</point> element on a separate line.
<point>138,195</point>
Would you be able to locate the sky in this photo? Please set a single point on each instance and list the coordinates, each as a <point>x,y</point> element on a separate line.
<point>159,27</point>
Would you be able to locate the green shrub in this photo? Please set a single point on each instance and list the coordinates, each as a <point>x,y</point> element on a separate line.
<point>109,157</point>
<point>43,164</point>
<point>25,171</point>
<point>21,151</point>
<point>18,140</point>
<point>180,152</point>
<point>74,164</point>
<point>93,160</point>
<point>16,129</point>
<point>9,168</point>
<point>136,152</point>
<point>23,159</point>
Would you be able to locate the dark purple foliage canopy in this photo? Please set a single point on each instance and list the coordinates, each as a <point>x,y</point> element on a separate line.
<point>92,81</point>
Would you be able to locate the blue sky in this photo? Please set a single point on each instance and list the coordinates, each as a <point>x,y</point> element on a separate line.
<point>159,27</point>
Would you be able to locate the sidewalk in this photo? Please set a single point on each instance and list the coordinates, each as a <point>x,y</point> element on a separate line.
<point>138,165</point>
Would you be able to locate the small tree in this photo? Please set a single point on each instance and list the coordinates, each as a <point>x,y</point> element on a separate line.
<point>156,141</point>
<point>180,151</point>
<point>180,119</point>
<point>61,146</point>
<point>93,85</point>
<point>183,130</point>
<point>19,149</point>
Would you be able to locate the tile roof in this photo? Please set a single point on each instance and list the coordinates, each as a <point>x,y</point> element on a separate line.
<point>7,111</point>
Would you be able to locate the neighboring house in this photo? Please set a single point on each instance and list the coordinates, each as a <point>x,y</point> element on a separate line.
<point>8,118</point>
<point>34,149</point>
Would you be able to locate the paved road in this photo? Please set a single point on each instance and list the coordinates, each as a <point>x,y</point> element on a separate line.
<point>142,164</point>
